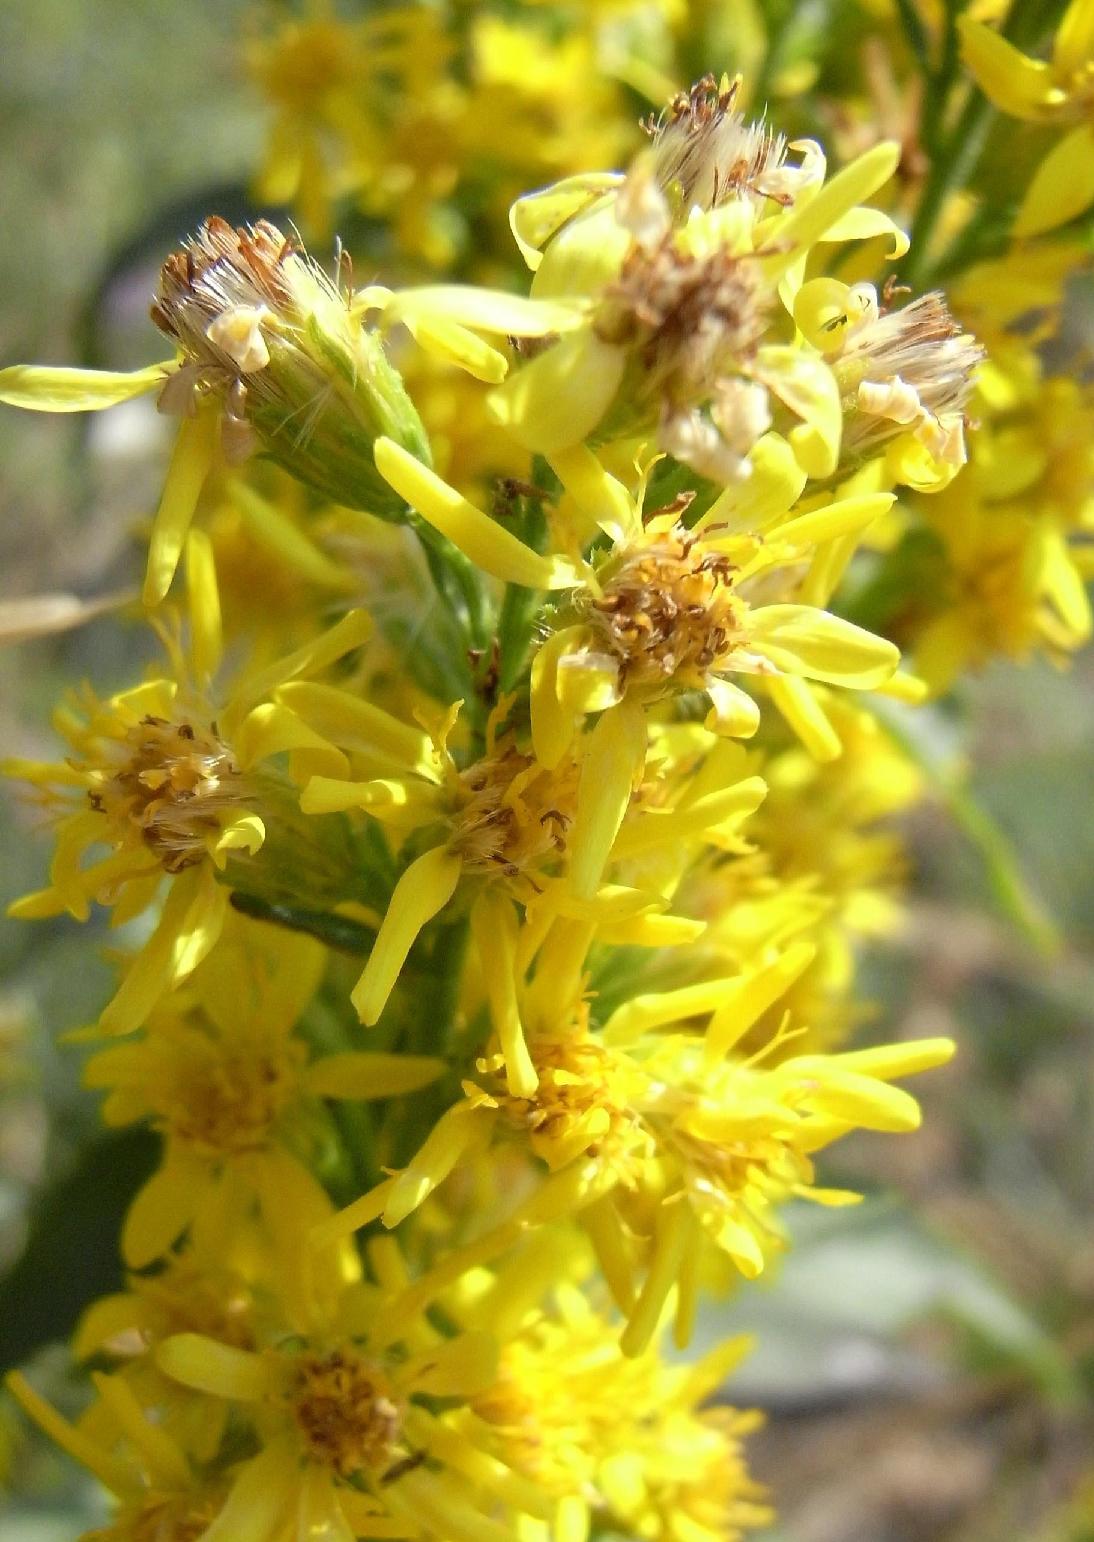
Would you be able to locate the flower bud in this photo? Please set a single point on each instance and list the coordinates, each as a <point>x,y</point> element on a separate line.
<point>265,332</point>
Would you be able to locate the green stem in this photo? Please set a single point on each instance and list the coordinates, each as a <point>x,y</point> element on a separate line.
<point>916,33</point>
<point>955,157</point>
<point>337,932</point>
<point>951,168</point>
<point>457,581</point>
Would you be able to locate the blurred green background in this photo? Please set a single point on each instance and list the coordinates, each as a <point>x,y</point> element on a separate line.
<point>927,1360</point>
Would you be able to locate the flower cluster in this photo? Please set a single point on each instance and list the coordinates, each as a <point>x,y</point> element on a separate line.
<point>494,845</point>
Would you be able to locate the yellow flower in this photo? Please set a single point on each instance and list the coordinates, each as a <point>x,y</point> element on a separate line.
<point>222,1075</point>
<point>658,1136</point>
<point>562,112</point>
<point>1013,533</point>
<point>340,1433</point>
<point>219,1282</point>
<point>158,1491</point>
<point>500,818</point>
<point>666,608</point>
<point>1061,91</point>
<point>170,777</point>
<point>905,377</point>
<point>315,72</point>
<point>342,1415</point>
<point>270,356</point>
<point>507,826</point>
<point>676,269</point>
<point>621,1443</point>
<point>661,286</point>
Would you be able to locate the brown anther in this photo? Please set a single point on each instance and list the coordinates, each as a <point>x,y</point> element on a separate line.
<point>668,612</point>
<point>892,288</point>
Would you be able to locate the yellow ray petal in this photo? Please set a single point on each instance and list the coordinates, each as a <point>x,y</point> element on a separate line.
<point>111,1473</point>
<point>203,606</point>
<point>259,1500</point>
<point>192,920</point>
<point>1024,87</point>
<point>424,889</point>
<point>1062,186</point>
<point>162,1210</point>
<point>359,1074</point>
<point>191,461</point>
<point>613,760</point>
<point>668,827</point>
<point>757,990</point>
<point>207,1365</point>
<point>361,727</point>
<point>797,702</point>
<point>557,399</point>
<point>600,496</point>
<point>814,643</point>
<point>43,388</point>
<point>163,1455</point>
<point>810,219</point>
<point>489,545</point>
<point>494,928</point>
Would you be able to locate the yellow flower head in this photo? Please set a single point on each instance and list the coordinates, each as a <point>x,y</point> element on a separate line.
<point>666,608</point>
<point>344,1424</point>
<point>270,356</point>
<point>661,1136</point>
<point>171,778</point>
<point>620,1442</point>
<point>222,1073</point>
<point>904,375</point>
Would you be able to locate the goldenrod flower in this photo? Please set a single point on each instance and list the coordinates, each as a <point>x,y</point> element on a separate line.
<point>270,356</point>
<point>158,1491</point>
<point>666,608</point>
<point>1059,91</point>
<point>905,376</point>
<point>348,1442</point>
<point>589,811</point>
<point>226,1080</point>
<point>662,1131</point>
<point>514,828</point>
<point>504,818</point>
<point>676,268</point>
<point>622,1442</point>
<point>169,776</point>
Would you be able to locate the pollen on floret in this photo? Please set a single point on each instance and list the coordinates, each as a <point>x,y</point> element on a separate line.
<point>170,784</point>
<point>514,815</point>
<point>706,152</point>
<point>693,318</point>
<point>346,1411</point>
<point>221,1098</point>
<point>218,288</point>
<point>909,368</point>
<point>667,611</point>
<point>692,313</point>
